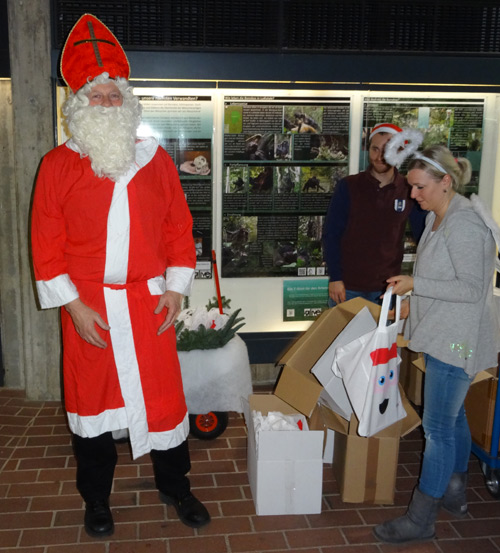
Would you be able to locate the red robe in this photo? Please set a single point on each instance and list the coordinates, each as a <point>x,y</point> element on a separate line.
<point>110,244</point>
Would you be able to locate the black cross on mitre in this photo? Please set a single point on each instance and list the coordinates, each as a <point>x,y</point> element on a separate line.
<point>94,41</point>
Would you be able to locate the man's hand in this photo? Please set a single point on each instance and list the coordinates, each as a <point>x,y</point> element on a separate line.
<point>401,284</point>
<point>84,318</point>
<point>172,301</point>
<point>336,290</point>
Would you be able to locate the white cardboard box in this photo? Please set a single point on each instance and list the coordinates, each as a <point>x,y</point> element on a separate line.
<point>285,470</point>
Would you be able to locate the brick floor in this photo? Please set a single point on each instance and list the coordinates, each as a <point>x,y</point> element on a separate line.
<point>41,511</point>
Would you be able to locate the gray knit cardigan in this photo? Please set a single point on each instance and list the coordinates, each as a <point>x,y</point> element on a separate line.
<point>452,309</point>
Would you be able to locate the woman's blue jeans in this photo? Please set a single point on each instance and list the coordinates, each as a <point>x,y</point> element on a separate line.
<point>447,434</point>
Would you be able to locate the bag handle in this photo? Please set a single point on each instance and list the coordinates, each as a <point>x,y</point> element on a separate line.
<point>386,302</point>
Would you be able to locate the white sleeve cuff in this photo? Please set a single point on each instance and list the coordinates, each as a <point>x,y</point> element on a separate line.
<point>180,279</point>
<point>56,292</point>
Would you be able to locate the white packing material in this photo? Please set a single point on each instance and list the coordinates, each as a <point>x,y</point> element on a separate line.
<point>216,379</point>
<point>277,422</point>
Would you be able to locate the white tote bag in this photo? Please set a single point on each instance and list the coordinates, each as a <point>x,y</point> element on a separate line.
<point>369,367</point>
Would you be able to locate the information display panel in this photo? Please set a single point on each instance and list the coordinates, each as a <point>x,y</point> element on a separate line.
<point>456,123</point>
<point>183,125</point>
<point>282,158</point>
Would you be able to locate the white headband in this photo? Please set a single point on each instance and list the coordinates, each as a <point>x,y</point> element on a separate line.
<point>438,166</point>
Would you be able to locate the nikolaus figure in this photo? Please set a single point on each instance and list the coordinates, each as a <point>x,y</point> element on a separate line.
<point>112,245</point>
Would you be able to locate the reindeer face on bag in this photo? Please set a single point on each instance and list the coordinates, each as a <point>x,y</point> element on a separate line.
<point>386,396</point>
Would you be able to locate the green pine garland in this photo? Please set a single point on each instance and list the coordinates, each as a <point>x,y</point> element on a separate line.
<point>208,338</point>
<point>213,303</point>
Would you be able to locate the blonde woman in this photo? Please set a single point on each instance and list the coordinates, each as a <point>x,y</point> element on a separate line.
<point>451,321</point>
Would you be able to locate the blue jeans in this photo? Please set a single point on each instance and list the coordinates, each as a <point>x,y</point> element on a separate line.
<point>369,296</point>
<point>447,434</point>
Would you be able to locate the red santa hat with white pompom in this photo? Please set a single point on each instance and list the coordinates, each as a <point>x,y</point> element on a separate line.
<point>385,128</point>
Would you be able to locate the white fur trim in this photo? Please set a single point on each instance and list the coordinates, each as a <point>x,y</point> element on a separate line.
<point>115,420</point>
<point>142,441</point>
<point>118,233</point>
<point>180,279</point>
<point>56,292</point>
<point>92,426</point>
<point>127,367</point>
<point>170,438</point>
<point>145,151</point>
<point>409,140</point>
<point>118,230</point>
<point>157,286</point>
<point>385,128</point>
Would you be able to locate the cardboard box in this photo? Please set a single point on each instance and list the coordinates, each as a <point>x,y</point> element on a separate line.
<point>480,408</point>
<point>285,468</point>
<point>411,377</point>
<point>365,468</point>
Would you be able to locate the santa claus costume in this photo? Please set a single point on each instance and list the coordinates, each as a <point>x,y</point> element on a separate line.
<point>117,245</point>
<point>110,244</point>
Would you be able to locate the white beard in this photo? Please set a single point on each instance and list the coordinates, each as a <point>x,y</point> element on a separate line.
<point>107,135</point>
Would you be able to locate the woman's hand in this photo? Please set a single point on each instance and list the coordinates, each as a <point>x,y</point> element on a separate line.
<point>401,284</point>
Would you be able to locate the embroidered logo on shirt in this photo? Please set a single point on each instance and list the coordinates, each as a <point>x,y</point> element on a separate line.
<point>399,205</point>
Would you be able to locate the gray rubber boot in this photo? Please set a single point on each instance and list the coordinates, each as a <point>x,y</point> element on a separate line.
<point>455,499</point>
<point>416,525</point>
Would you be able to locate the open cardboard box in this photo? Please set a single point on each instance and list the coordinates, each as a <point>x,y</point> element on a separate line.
<point>285,468</point>
<point>364,467</point>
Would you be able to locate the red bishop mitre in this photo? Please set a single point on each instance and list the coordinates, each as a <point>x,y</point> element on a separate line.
<point>91,49</point>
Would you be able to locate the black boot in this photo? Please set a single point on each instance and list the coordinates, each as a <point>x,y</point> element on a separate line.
<point>95,461</point>
<point>171,467</point>
<point>455,499</point>
<point>416,525</point>
<point>98,519</point>
<point>190,510</point>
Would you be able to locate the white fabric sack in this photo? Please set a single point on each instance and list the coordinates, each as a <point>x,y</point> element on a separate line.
<point>216,379</point>
<point>369,367</point>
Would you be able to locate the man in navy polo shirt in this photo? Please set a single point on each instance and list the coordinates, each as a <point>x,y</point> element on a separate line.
<point>365,225</point>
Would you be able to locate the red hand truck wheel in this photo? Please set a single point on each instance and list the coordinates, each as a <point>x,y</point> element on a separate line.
<point>208,426</point>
